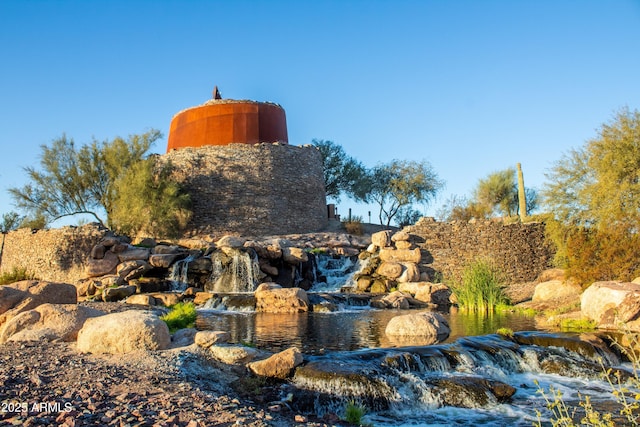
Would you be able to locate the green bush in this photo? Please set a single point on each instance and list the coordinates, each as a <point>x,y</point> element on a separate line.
<point>16,275</point>
<point>182,315</point>
<point>481,287</point>
<point>353,413</point>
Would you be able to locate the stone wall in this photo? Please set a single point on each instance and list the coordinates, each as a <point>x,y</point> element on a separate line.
<point>519,250</point>
<point>252,190</point>
<point>58,255</point>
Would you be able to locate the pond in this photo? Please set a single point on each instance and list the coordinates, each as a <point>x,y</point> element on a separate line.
<point>350,329</point>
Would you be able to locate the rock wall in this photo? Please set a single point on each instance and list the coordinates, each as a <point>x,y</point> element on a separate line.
<point>58,255</point>
<point>519,250</point>
<point>261,189</point>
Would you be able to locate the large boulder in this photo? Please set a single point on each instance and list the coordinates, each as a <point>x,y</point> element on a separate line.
<point>410,273</point>
<point>400,255</point>
<point>229,241</point>
<point>118,293</point>
<point>427,325</point>
<point>434,293</point>
<point>102,266</point>
<point>124,332</point>
<point>612,305</point>
<point>233,354</point>
<point>556,290</point>
<point>294,256</point>
<point>381,239</point>
<point>48,322</point>
<point>272,298</point>
<point>206,339</point>
<point>280,365</point>
<point>28,294</point>
<point>390,269</point>
<point>133,253</point>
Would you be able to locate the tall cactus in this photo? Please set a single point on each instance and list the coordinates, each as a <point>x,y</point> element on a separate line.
<point>522,199</point>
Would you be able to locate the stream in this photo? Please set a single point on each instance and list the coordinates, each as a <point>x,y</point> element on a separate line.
<point>475,377</point>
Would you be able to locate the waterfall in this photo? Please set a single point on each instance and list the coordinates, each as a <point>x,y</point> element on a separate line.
<point>178,275</point>
<point>485,380</point>
<point>336,271</point>
<point>234,270</point>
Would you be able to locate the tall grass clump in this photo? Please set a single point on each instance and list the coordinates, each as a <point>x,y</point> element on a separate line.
<point>182,315</point>
<point>481,287</point>
<point>16,275</point>
<point>354,413</point>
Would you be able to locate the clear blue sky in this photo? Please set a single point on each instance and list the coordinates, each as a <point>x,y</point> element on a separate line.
<point>471,86</point>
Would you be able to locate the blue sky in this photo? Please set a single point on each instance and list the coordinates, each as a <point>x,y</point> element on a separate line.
<point>471,86</point>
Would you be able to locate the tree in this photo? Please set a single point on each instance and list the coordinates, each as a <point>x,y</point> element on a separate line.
<point>406,216</point>
<point>401,183</point>
<point>148,202</point>
<point>461,209</point>
<point>593,193</point>
<point>342,173</point>
<point>498,193</point>
<point>10,221</point>
<point>79,181</point>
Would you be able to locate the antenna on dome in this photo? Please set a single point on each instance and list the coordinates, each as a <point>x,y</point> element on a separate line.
<point>216,93</point>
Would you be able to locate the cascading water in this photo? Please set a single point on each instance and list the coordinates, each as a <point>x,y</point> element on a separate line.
<point>485,380</point>
<point>178,276</point>
<point>337,272</point>
<point>234,270</point>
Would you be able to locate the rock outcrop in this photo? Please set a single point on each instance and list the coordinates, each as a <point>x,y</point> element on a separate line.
<point>48,322</point>
<point>280,365</point>
<point>429,326</point>
<point>28,294</point>
<point>124,332</point>
<point>612,305</point>
<point>273,298</point>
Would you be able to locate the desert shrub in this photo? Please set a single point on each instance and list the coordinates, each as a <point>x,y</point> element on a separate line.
<point>182,315</point>
<point>16,275</point>
<point>481,287</point>
<point>354,225</point>
<point>602,254</point>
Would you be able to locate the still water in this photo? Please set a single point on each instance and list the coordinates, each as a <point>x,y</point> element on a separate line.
<point>350,329</point>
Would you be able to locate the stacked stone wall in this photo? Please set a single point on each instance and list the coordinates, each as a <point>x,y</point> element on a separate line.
<point>261,189</point>
<point>58,255</point>
<point>519,250</point>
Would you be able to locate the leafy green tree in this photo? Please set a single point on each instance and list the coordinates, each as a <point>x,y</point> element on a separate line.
<point>593,193</point>
<point>148,202</point>
<point>399,184</point>
<point>79,181</point>
<point>342,173</point>
<point>498,193</point>
<point>10,221</point>
<point>407,215</point>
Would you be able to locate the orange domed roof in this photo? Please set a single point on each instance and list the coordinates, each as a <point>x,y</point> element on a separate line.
<point>227,121</point>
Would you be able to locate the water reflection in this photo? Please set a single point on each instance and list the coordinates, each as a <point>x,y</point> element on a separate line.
<point>315,333</point>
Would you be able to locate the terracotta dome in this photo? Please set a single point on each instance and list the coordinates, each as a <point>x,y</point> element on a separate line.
<point>227,121</point>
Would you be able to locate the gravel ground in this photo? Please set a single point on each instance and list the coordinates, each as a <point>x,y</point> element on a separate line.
<point>44,384</point>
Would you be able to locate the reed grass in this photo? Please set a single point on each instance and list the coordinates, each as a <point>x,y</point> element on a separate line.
<point>481,287</point>
<point>354,413</point>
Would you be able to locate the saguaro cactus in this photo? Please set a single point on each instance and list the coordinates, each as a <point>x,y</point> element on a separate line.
<point>522,199</point>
